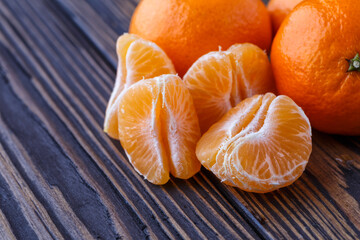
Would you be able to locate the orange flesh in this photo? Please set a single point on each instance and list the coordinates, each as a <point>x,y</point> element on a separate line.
<point>138,59</point>
<point>219,80</point>
<point>158,129</point>
<point>209,85</point>
<point>262,144</point>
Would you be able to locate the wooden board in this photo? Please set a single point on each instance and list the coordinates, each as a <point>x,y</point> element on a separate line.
<point>61,177</point>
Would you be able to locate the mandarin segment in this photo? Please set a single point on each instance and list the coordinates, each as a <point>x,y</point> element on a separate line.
<point>137,59</point>
<point>181,128</point>
<point>139,131</point>
<point>122,46</point>
<point>209,81</point>
<point>219,80</point>
<point>146,60</point>
<point>260,145</point>
<point>253,72</point>
<point>158,128</point>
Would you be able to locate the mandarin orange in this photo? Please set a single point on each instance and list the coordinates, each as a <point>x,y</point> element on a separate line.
<point>137,59</point>
<point>219,80</point>
<point>314,63</point>
<point>260,145</point>
<point>279,9</point>
<point>158,128</point>
<point>188,29</point>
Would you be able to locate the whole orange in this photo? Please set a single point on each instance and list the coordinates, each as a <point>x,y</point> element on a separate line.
<point>279,9</point>
<point>314,62</point>
<point>187,29</point>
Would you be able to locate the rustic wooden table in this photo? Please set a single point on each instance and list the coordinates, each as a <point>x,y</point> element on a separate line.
<point>61,177</point>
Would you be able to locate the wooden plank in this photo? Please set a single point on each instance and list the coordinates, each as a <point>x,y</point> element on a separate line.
<point>324,203</point>
<point>19,205</point>
<point>58,66</point>
<point>54,86</point>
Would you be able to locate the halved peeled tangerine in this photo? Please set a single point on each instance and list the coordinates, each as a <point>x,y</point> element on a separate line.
<point>260,145</point>
<point>159,129</point>
<point>219,80</point>
<point>137,59</point>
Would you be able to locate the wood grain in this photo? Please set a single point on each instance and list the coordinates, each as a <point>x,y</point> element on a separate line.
<point>61,177</point>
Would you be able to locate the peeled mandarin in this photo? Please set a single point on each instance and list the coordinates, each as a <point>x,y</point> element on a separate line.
<point>159,129</point>
<point>220,80</point>
<point>137,59</point>
<point>262,144</point>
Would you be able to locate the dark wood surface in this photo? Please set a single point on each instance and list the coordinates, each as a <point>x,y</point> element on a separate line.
<point>61,177</point>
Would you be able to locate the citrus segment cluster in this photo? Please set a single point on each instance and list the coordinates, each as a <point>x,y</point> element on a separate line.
<point>252,139</point>
<point>260,145</point>
<point>219,80</point>
<point>158,128</point>
<point>137,59</point>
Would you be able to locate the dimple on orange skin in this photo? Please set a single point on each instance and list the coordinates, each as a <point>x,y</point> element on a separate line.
<point>158,128</point>
<point>310,56</point>
<point>262,144</point>
<point>219,80</point>
<point>188,29</point>
<point>279,9</point>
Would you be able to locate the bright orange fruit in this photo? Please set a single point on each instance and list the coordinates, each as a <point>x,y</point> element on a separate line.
<point>159,129</point>
<point>137,59</point>
<point>279,9</point>
<point>188,29</point>
<point>219,80</point>
<point>260,145</point>
<point>314,62</point>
